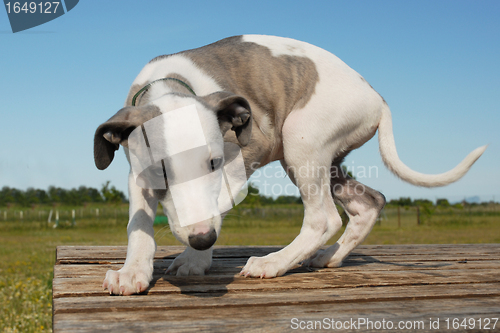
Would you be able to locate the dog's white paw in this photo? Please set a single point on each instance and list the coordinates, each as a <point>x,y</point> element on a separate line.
<point>191,262</point>
<point>266,267</point>
<point>128,280</point>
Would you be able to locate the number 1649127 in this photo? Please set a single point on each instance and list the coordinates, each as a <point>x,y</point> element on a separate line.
<point>32,7</point>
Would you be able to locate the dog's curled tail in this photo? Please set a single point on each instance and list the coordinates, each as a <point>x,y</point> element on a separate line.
<point>392,161</point>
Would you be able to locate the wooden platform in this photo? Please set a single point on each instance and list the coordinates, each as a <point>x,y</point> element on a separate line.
<point>409,284</point>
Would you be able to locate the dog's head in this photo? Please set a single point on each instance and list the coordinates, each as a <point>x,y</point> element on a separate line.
<point>176,150</point>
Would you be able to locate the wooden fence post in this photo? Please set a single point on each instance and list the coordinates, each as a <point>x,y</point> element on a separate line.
<point>418,215</point>
<point>399,216</point>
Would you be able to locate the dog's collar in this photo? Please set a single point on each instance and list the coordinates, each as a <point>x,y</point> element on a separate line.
<point>163,79</point>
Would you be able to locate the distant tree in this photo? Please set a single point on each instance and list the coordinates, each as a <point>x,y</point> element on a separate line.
<point>83,194</point>
<point>73,197</point>
<point>31,197</point>
<point>267,200</point>
<point>89,194</point>
<point>111,194</point>
<point>95,195</point>
<point>422,202</point>
<point>19,197</point>
<point>63,196</point>
<point>405,202</point>
<point>43,196</point>
<point>427,209</point>
<point>6,197</point>
<point>253,197</point>
<point>58,195</point>
<point>54,195</point>
<point>286,199</point>
<point>443,203</point>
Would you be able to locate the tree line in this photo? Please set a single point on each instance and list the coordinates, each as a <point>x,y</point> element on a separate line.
<point>106,194</point>
<point>57,195</point>
<point>109,194</point>
<point>442,203</point>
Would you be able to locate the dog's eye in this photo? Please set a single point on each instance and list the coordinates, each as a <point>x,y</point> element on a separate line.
<point>216,163</point>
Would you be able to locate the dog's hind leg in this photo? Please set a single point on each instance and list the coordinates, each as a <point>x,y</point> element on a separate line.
<point>363,205</point>
<point>310,171</point>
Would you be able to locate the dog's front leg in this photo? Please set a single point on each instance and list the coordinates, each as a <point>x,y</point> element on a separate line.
<point>137,272</point>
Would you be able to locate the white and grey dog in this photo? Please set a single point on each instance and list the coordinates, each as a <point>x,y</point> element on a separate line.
<point>278,99</point>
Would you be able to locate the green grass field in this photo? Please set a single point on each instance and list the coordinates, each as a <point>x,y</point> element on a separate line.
<point>27,248</point>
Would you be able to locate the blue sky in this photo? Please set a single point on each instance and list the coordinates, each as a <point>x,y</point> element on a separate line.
<point>436,63</point>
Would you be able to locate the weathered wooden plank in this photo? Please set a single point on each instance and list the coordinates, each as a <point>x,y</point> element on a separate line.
<point>234,265</point>
<point>75,253</point>
<point>117,256</point>
<point>359,258</point>
<point>281,318</point>
<point>87,286</point>
<point>395,282</point>
<point>290,297</point>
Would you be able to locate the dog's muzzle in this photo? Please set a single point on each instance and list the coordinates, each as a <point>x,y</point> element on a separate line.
<point>202,241</point>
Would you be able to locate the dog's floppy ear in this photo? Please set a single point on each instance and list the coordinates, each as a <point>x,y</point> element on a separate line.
<point>234,113</point>
<point>115,131</point>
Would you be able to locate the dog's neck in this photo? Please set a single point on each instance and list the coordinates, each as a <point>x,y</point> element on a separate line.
<point>178,85</point>
<point>160,87</point>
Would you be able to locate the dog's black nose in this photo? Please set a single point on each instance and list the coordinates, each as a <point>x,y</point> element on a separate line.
<point>202,242</point>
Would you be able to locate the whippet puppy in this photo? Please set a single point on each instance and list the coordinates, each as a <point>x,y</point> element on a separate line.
<point>277,99</point>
